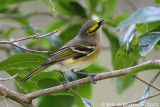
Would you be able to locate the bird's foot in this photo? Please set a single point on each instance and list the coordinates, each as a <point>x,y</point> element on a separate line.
<point>89,74</point>
<point>92,78</point>
<point>65,84</point>
<point>65,81</point>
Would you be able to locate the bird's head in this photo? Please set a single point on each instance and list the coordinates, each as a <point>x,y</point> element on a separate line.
<point>90,28</point>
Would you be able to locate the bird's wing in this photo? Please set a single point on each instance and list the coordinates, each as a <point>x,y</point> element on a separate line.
<point>66,52</point>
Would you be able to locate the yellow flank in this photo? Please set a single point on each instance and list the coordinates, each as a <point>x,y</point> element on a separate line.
<point>70,60</point>
<point>93,27</point>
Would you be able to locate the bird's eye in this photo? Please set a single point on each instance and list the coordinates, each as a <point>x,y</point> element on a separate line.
<point>90,32</point>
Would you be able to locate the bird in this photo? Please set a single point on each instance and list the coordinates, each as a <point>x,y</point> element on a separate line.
<point>77,54</point>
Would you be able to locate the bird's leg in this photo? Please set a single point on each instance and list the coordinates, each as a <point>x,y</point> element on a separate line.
<point>83,73</point>
<point>65,80</point>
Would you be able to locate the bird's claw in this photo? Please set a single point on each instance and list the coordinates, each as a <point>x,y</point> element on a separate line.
<point>65,84</point>
<point>92,78</point>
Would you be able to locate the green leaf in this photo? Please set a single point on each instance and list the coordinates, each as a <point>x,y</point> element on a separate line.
<point>109,7</point>
<point>22,21</point>
<point>87,102</point>
<point>114,44</point>
<point>146,27</point>
<point>84,94</point>
<point>146,92</point>
<point>127,58</point>
<point>146,14</point>
<point>22,61</point>
<point>29,86</point>
<point>7,32</point>
<point>50,83</point>
<point>56,25</point>
<point>56,101</point>
<point>147,42</point>
<point>124,59</point>
<point>76,8</point>
<point>70,8</point>
<point>95,68</point>
<point>92,4</point>
<point>50,5</point>
<point>52,74</point>
<point>70,32</point>
<point>157,1</point>
<point>13,1</point>
<point>126,35</point>
<point>88,90</point>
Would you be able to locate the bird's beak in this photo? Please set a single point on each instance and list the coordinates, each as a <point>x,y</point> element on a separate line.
<point>100,23</point>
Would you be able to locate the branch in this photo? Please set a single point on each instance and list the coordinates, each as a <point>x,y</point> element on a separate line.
<point>135,102</point>
<point>8,93</point>
<point>142,80</point>
<point>5,92</point>
<point>27,98</point>
<point>31,37</point>
<point>37,36</point>
<point>98,77</point>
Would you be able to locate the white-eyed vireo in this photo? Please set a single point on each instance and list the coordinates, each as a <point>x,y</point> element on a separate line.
<point>77,54</point>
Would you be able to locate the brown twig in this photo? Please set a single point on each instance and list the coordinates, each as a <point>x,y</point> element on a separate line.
<point>31,37</point>
<point>137,101</point>
<point>5,101</point>
<point>30,50</point>
<point>142,80</point>
<point>4,91</point>
<point>27,98</point>
<point>37,36</point>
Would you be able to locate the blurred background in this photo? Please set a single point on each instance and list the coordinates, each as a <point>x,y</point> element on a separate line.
<point>104,91</point>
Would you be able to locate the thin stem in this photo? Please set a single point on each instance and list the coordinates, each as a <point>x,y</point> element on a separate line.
<point>142,80</point>
<point>30,50</point>
<point>31,37</point>
<point>5,101</point>
<point>36,36</point>
<point>137,101</point>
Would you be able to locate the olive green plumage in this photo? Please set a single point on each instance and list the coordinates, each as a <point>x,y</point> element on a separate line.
<point>78,53</point>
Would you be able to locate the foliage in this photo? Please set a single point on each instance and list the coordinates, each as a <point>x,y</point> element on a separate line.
<point>139,34</point>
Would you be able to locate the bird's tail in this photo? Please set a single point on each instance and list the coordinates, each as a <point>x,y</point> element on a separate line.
<point>32,74</point>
